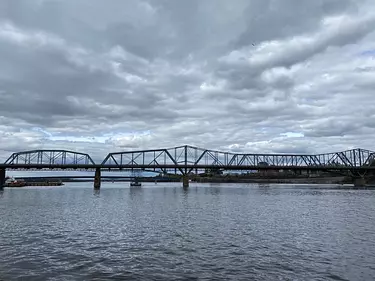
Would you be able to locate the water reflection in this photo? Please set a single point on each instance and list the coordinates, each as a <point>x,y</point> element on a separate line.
<point>264,188</point>
<point>164,231</point>
<point>135,192</point>
<point>97,192</point>
<point>215,190</point>
<point>185,191</point>
<point>264,185</point>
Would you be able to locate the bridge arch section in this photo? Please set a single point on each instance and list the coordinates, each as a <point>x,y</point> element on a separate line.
<point>49,157</point>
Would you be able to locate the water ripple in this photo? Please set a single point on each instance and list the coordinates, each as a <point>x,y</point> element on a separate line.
<point>224,232</point>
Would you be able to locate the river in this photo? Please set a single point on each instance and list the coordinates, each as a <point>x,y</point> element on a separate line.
<point>208,232</point>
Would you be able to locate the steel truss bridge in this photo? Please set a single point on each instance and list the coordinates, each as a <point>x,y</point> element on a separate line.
<point>187,159</point>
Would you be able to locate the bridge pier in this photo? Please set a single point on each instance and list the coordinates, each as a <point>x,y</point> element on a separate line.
<point>97,179</point>
<point>359,182</point>
<point>185,181</point>
<point>2,178</point>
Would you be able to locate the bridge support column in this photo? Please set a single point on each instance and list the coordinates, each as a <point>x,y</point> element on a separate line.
<point>359,182</point>
<point>185,181</point>
<point>97,179</point>
<point>2,178</point>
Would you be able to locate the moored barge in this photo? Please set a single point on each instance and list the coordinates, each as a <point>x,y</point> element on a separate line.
<point>12,182</point>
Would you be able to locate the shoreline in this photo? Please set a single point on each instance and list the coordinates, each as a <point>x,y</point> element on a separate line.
<point>338,180</point>
<point>325,180</point>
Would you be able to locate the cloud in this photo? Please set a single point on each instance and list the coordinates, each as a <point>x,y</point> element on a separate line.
<point>245,76</point>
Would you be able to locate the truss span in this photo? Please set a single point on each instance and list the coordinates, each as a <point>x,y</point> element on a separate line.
<point>188,158</point>
<point>49,157</point>
<point>194,156</point>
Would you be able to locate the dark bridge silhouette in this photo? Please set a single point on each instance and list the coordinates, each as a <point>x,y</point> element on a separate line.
<point>49,157</point>
<point>185,160</point>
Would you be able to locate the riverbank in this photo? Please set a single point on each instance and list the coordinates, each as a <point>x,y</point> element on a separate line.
<point>323,180</point>
<point>200,179</point>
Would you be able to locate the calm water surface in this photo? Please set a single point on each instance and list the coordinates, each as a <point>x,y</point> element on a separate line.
<point>209,232</point>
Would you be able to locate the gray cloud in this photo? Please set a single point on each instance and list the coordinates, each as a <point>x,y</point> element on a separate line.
<point>254,76</point>
<point>278,20</point>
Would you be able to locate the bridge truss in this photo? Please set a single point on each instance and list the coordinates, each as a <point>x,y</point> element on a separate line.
<point>187,159</point>
<point>179,158</point>
<point>50,158</point>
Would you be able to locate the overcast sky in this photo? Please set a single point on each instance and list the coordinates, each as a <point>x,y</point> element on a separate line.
<point>257,76</point>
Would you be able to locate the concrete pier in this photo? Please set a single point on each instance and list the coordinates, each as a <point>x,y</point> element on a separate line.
<point>97,179</point>
<point>2,178</point>
<point>359,182</point>
<point>185,181</point>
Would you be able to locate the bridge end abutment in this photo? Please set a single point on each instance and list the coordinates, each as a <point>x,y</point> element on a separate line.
<point>2,178</point>
<point>97,179</point>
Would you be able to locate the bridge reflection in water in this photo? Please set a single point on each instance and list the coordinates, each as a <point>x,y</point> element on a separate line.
<point>183,161</point>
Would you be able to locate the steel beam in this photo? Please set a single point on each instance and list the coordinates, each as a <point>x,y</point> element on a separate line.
<point>192,155</point>
<point>185,159</point>
<point>51,157</point>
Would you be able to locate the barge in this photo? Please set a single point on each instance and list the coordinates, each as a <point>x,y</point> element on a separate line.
<point>12,182</point>
<point>44,183</point>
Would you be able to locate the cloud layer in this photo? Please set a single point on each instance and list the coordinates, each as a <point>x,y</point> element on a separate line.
<point>255,76</point>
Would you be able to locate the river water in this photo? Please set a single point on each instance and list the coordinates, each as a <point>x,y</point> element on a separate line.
<point>208,232</point>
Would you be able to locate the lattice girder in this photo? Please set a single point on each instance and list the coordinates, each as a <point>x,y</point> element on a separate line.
<point>189,155</point>
<point>50,157</point>
<point>179,158</point>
